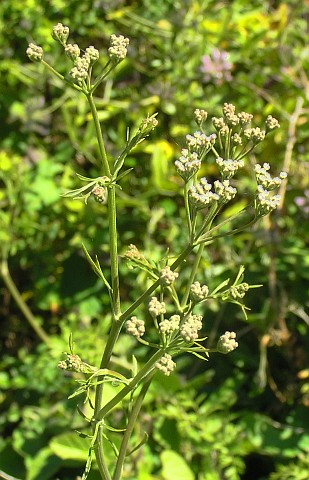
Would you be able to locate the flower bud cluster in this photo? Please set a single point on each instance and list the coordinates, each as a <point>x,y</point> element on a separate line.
<point>135,327</point>
<point>256,135</point>
<point>133,253</point>
<point>72,51</point>
<point>225,191</point>
<point>198,292</point>
<point>239,291</point>
<point>168,276</point>
<point>166,364</point>
<point>229,114</point>
<point>218,123</point>
<point>228,167</point>
<point>72,363</point>
<point>200,116</point>
<point>80,71</point>
<point>118,47</point>
<point>265,201</point>
<point>148,124</point>
<point>188,164</point>
<point>60,33</point>
<point>93,54</point>
<point>190,328</point>
<point>236,139</point>
<point>271,123</point>
<point>227,342</point>
<point>264,178</point>
<point>171,325</point>
<point>245,118</point>
<point>34,52</point>
<point>201,195</point>
<point>156,307</point>
<point>200,141</point>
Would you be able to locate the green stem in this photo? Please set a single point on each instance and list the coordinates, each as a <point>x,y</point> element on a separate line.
<point>99,454</point>
<point>192,275</point>
<point>5,273</point>
<point>187,206</point>
<point>51,69</point>
<point>147,368</point>
<point>133,417</point>
<point>106,169</point>
<point>155,285</point>
<point>116,307</point>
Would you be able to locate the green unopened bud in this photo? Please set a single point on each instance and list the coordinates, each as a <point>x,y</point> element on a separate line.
<point>34,52</point>
<point>60,33</point>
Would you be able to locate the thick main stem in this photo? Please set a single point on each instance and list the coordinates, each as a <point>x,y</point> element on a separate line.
<point>132,419</point>
<point>116,307</point>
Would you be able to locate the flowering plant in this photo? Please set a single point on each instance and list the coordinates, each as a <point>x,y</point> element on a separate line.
<point>175,304</point>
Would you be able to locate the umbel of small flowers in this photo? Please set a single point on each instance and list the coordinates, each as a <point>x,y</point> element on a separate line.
<point>232,141</point>
<point>81,71</point>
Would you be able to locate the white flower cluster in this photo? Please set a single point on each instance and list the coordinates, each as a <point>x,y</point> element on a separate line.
<point>92,53</point>
<point>198,292</point>
<point>166,364</point>
<point>225,191</point>
<point>169,326</point>
<point>118,47</point>
<point>60,33</point>
<point>156,307</point>
<point>81,64</point>
<point>229,114</point>
<point>265,201</point>
<point>133,253</point>
<point>264,178</point>
<point>218,123</point>
<point>168,276</point>
<point>236,139</point>
<point>190,328</point>
<point>34,52</point>
<point>72,51</point>
<point>201,195</point>
<point>244,118</point>
<point>200,140</point>
<point>239,291</point>
<point>228,167</point>
<point>256,135</point>
<point>80,71</point>
<point>188,164</point>
<point>271,123</point>
<point>227,342</point>
<point>200,116</point>
<point>135,327</point>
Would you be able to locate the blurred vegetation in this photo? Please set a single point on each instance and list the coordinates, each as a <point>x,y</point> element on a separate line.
<point>240,417</point>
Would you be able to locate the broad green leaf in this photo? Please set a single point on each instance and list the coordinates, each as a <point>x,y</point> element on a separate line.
<point>175,467</point>
<point>69,446</point>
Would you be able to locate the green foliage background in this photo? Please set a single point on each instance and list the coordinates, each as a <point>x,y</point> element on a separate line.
<point>243,416</point>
